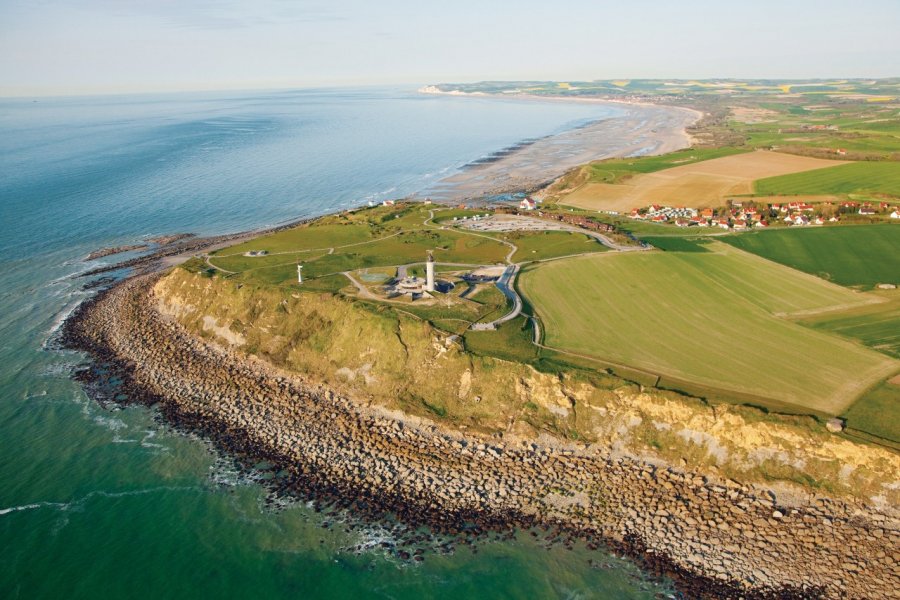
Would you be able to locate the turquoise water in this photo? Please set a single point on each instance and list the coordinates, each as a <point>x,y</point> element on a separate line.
<point>102,503</point>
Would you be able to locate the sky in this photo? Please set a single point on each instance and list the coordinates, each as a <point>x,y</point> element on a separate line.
<point>99,46</point>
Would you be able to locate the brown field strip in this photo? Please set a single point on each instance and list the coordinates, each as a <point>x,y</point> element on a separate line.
<point>702,184</point>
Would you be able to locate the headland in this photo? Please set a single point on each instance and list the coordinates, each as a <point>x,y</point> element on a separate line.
<point>404,409</point>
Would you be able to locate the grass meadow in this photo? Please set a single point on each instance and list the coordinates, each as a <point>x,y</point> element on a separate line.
<point>858,177</point>
<point>620,169</point>
<point>384,237</point>
<point>876,326</point>
<point>857,255</point>
<point>552,244</point>
<point>877,413</point>
<point>711,318</point>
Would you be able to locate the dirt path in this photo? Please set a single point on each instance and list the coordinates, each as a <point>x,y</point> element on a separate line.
<point>226,271</point>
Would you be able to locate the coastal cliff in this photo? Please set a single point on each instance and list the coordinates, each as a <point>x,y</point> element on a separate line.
<point>307,401</point>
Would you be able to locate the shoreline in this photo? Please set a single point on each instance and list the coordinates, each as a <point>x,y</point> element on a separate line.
<point>371,462</point>
<point>715,538</point>
<point>181,250</point>
<point>642,129</point>
<point>577,99</point>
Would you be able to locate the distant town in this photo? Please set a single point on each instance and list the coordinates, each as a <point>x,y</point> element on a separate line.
<point>739,215</point>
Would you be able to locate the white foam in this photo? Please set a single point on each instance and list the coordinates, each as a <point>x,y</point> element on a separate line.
<point>60,318</point>
<point>6,511</point>
<point>145,443</point>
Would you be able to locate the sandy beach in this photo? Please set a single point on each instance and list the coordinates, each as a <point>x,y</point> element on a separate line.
<point>717,538</point>
<point>641,129</point>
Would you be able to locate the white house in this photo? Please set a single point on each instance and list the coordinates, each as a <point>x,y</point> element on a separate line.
<point>527,204</point>
<point>895,214</point>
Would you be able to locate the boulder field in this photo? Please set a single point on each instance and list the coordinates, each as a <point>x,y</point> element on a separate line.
<point>716,537</point>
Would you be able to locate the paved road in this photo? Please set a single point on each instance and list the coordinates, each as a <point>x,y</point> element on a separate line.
<point>505,285</point>
<point>606,241</point>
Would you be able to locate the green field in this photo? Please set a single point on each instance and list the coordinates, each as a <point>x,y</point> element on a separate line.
<point>382,237</point>
<point>620,169</point>
<point>377,237</point>
<point>859,177</point>
<point>706,318</point>
<point>877,412</point>
<point>511,341</point>
<point>552,244</point>
<point>876,326</point>
<point>861,129</point>
<point>677,244</point>
<point>858,255</point>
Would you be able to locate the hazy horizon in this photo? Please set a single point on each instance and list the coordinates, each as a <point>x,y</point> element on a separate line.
<point>136,46</point>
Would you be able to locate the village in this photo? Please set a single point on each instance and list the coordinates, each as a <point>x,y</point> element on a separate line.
<point>738,215</point>
<point>735,215</point>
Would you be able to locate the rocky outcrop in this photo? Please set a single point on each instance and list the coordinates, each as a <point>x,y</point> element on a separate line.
<point>719,538</point>
<point>102,252</point>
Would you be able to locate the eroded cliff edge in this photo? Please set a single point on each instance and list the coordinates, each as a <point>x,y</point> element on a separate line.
<point>317,385</point>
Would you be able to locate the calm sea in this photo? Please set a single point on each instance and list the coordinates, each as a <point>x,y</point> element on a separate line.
<point>97,503</point>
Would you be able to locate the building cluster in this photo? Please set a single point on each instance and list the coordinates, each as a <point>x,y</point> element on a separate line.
<point>739,217</point>
<point>416,288</point>
<point>663,214</point>
<point>871,208</point>
<point>577,220</point>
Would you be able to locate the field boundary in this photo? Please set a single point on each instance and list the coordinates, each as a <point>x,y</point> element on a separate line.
<point>827,397</point>
<point>698,390</point>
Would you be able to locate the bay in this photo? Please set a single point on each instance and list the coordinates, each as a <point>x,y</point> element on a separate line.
<point>102,503</point>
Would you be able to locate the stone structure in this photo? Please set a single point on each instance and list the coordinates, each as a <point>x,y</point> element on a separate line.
<point>429,273</point>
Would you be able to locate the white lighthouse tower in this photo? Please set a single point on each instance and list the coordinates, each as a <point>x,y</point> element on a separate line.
<point>429,273</point>
<point>299,274</point>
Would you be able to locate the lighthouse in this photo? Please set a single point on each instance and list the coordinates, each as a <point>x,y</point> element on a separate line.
<point>299,274</point>
<point>429,273</point>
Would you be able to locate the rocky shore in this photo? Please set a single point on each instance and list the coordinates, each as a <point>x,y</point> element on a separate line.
<point>175,248</point>
<point>103,252</point>
<point>716,538</point>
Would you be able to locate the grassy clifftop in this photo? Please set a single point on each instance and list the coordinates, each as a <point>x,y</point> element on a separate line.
<point>369,351</point>
<point>385,356</point>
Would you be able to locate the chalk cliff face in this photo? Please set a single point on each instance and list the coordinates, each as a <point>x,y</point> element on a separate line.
<point>718,537</point>
<point>398,362</point>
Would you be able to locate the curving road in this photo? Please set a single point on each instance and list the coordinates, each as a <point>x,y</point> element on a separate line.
<point>505,285</point>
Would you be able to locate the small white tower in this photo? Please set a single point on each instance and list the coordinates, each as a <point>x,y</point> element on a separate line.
<point>299,273</point>
<point>429,273</point>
